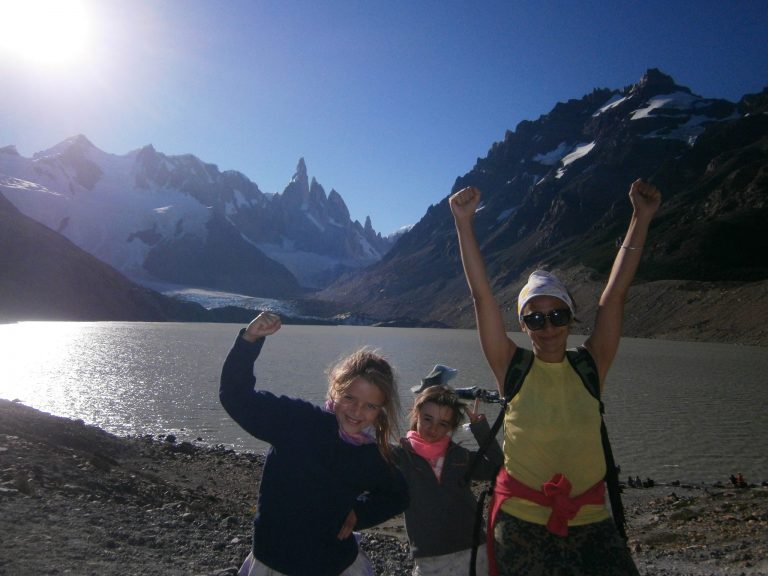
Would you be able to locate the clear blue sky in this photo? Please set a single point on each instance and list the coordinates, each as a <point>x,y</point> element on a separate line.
<point>387,101</point>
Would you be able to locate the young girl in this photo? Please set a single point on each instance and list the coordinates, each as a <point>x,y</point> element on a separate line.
<point>440,519</point>
<point>326,474</point>
<point>549,515</point>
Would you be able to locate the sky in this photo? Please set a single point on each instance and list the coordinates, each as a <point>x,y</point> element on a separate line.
<point>388,102</point>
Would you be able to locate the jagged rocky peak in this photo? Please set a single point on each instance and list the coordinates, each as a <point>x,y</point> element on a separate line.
<point>147,151</point>
<point>75,146</point>
<point>150,167</point>
<point>337,208</point>
<point>80,154</point>
<point>755,103</point>
<point>147,156</point>
<point>82,141</point>
<point>10,150</point>
<point>297,191</point>
<point>654,81</point>
<point>316,193</point>
<point>368,227</point>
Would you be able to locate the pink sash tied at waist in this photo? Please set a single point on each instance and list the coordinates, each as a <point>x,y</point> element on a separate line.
<point>554,494</point>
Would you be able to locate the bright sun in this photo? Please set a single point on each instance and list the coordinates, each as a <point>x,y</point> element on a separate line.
<point>50,32</point>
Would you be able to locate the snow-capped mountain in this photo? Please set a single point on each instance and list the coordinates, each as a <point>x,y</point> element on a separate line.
<point>180,220</point>
<point>555,195</point>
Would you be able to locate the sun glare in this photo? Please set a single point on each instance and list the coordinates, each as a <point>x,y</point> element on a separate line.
<point>47,32</point>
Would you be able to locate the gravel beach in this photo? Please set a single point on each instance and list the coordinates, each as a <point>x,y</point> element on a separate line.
<point>77,500</point>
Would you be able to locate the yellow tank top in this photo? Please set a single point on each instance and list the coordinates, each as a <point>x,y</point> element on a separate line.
<point>553,426</point>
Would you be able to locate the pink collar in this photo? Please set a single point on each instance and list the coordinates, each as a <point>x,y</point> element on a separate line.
<point>430,451</point>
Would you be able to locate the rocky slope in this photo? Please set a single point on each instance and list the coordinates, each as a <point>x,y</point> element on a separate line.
<point>74,499</point>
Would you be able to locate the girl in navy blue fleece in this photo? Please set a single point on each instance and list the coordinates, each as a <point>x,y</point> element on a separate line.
<point>328,471</point>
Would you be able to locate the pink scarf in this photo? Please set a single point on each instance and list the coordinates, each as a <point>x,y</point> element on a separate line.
<point>432,452</point>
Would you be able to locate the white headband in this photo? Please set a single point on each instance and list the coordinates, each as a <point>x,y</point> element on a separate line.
<point>543,283</point>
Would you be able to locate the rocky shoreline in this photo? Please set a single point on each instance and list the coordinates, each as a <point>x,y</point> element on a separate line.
<point>77,500</point>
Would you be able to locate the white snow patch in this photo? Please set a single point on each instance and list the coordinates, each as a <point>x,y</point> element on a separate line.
<point>314,221</point>
<point>11,183</point>
<point>689,131</point>
<point>552,157</point>
<point>506,213</point>
<point>614,101</point>
<point>240,199</point>
<point>580,151</point>
<point>400,231</point>
<point>676,101</point>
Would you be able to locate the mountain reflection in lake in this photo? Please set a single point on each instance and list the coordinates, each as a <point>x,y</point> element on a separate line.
<point>675,410</point>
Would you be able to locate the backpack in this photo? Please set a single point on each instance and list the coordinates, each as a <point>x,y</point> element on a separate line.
<point>584,365</point>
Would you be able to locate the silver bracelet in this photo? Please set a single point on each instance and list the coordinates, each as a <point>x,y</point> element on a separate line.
<point>631,247</point>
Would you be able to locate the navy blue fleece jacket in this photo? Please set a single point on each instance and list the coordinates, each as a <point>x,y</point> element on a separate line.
<point>311,478</point>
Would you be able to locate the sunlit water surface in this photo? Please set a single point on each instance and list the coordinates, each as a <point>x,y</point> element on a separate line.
<point>676,410</point>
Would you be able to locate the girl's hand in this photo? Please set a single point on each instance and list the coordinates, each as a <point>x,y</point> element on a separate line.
<point>464,203</point>
<point>474,415</point>
<point>645,198</point>
<point>264,324</point>
<point>348,526</point>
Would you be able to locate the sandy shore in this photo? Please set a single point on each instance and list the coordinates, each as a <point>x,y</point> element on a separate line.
<point>76,500</point>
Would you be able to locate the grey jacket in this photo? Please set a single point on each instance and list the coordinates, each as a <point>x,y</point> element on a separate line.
<point>441,515</point>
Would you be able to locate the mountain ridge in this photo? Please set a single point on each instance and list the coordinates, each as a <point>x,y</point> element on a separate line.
<point>149,215</point>
<point>554,195</point>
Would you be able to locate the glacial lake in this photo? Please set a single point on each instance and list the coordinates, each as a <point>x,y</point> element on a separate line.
<point>694,412</point>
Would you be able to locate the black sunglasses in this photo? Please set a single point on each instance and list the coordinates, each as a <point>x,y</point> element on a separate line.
<point>537,320</point>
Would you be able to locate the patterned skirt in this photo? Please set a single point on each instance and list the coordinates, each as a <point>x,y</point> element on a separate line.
<point>590,550</point>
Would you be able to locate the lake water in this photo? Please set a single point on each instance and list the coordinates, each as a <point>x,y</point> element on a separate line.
<point>675,410</point>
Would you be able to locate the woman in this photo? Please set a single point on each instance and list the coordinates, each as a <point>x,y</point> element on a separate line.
<point>553,519</point>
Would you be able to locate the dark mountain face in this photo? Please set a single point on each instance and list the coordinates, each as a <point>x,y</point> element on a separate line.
<point>221,259</point>
<point>555,195</point>
<point>46,277</point>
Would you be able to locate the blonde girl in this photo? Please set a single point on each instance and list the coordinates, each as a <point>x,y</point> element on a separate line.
<point>327,472</point>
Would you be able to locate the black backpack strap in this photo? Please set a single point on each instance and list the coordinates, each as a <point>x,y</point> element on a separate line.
<point>518,368</point>
<point>585,367</point>
<point>513,381</point>
<point>478,528</point>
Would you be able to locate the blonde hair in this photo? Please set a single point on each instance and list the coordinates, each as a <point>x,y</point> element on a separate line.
<point>367,363</point>
<point>442,396</point>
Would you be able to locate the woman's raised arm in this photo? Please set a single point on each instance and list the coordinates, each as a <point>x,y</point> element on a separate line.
<point>604,341</point>
<point>497,347</point>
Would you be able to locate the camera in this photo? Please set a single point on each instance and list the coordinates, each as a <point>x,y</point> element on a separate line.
<point>475,392</point>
